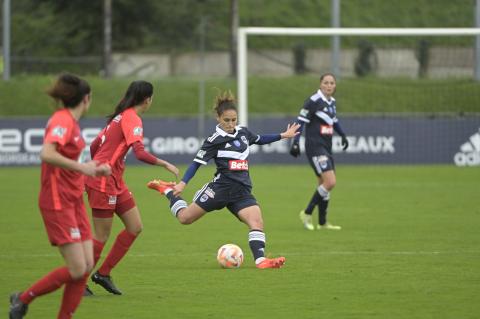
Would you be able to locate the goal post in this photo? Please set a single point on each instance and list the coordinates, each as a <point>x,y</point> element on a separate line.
<point>244,32</point>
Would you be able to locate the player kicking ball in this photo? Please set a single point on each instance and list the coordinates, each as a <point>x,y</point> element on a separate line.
<point>231,187</point>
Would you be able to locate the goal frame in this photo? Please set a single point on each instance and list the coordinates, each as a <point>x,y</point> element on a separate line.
<point>244,32</point>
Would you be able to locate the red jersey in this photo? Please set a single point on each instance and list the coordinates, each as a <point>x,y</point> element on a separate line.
<point>61,187</point>
<point>116,138</point>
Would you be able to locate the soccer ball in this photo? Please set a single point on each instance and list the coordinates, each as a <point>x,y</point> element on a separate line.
<point>230,256</point>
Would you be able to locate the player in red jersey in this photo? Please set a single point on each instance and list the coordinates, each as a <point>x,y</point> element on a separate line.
<point>61,200</point>
<point>109,195</point>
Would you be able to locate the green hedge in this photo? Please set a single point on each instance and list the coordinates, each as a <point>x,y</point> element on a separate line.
<point>25,96</point>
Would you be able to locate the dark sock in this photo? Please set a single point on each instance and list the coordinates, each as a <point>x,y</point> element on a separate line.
<point>256,240</point>
<point>313,202</point>
<point>172,198</point>
<point>322,211</point>
<point>176,203</point>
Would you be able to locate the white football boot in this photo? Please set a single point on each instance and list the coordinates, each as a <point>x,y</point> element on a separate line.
<point>306,220</point>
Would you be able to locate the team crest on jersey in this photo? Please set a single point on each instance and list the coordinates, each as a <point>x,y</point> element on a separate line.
<point>244,140</point>
<point>137,131</point>
<point>74,233</point>
<point>59,131</point>
<point>236,143</point>
<point>204,198</point>
<point>201,153</point>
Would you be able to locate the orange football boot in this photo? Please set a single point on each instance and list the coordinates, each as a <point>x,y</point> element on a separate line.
<point>271,263</point>
<point>160,186</point>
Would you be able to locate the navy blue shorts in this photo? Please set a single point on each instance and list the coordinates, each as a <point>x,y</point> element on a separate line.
<point>226,193</point>
<point>321,161</point>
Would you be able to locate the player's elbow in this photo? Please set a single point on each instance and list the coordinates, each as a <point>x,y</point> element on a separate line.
<point>46,155</point>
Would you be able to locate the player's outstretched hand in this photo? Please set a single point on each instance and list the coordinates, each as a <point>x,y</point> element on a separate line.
<point>344,142</point>
<point>291,131</point>
<point>295,149</point>
<point>172,169</point>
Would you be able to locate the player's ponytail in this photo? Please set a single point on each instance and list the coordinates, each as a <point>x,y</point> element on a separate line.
<point>136,93</point>
<point>69,89</point>
<point>224,101</point>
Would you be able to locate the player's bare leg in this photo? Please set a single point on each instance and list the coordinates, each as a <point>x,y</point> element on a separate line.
<point>185,214</point>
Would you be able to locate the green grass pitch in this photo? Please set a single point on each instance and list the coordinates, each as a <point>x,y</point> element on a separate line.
<point>409,248</point>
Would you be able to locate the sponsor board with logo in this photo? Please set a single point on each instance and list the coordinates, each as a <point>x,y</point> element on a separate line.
<point>373,140</point>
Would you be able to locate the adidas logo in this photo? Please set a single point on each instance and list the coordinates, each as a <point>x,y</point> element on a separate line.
<point>469,154</point>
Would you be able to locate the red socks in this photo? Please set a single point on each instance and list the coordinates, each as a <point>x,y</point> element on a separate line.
<point>97,250</point>
<point>48,283</point>
<point>72,295</point>
<point>119,249</point>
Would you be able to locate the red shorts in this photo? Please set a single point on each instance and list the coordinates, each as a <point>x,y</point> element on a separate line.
<point>69,225</point>
<point>104,205</point>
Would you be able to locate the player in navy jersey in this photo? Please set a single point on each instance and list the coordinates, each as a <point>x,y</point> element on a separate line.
<point>231,186</point>
<point>319,116</point>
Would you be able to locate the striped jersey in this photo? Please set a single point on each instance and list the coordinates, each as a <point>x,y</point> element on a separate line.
<point>320,115</point>
<point>230,153</point>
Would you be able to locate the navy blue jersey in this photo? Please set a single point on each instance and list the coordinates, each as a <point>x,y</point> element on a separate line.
<point>230,152</point>
<point>320,115</point>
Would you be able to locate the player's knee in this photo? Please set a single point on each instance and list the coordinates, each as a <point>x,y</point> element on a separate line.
<point>184,219</point>
<point>102,238</point>
<point>329,184</point>
<point>136,229</point>
<point>78,269</point>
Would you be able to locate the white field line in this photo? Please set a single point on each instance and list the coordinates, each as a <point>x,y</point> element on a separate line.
<point>326,253</point>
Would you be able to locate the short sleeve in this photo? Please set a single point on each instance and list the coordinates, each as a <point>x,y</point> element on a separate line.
<point>307,111</point>
<point>334,113</point>
<point>132,128</point>
<point>251,137</point>
<point>206,153</point>
<point>59,129</point>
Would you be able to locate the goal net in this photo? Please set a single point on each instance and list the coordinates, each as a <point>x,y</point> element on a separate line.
<point>415,74</point>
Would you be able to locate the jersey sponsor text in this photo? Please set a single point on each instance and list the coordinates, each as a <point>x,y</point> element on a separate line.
<point>238,165</point>
<point>326,129</point>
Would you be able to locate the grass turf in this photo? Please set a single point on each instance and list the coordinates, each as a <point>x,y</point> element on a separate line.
<point>409,248</point>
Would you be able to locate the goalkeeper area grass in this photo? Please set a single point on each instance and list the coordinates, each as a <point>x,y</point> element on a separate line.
<point>409,248</point>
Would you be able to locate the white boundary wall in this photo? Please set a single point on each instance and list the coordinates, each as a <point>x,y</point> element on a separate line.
<point>243,33</point>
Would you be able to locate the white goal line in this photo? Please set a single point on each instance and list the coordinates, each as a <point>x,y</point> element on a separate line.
<point>316,253</point>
